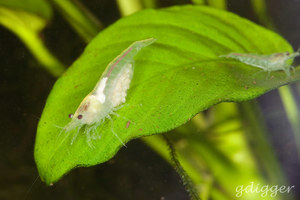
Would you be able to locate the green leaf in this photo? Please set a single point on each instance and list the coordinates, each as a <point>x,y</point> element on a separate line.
<point>178,76</point>
<point>80,18</point>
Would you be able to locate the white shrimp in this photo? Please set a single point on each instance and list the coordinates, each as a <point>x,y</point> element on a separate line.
<point>107,96</point>
<point>269,63</point>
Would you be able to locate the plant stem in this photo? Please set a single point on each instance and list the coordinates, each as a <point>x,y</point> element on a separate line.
<point>260,9</point>
<point>38,49</point>
<point>128,7</point>
<point>27,27</point>
<point>199,2</point>
<point>157,143</point>
<point>187,182</point>
<point>221,4</point>
<point>80,18</point>
<point>257,138</point>
<point>150,3</point>
<point>292,112</point>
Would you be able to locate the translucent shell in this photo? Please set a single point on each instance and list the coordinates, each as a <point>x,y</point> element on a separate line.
<point>108,94</point>
<point>272,62</point>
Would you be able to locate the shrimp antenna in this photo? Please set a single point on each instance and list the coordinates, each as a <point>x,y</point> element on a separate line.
<point>295,54</point>
<point>31,186</point>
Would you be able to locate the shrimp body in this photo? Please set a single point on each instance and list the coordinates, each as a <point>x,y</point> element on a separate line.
<point>108,94</point>
<point>272,62</point>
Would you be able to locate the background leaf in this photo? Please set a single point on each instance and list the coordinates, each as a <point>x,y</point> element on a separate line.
<point>39,8</point>
<point>26,19</point>
<point>175,78</point>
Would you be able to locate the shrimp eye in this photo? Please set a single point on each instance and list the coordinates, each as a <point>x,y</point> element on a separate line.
<point>71,115</point>
<point>79,116</point>
<point>287,53</point>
